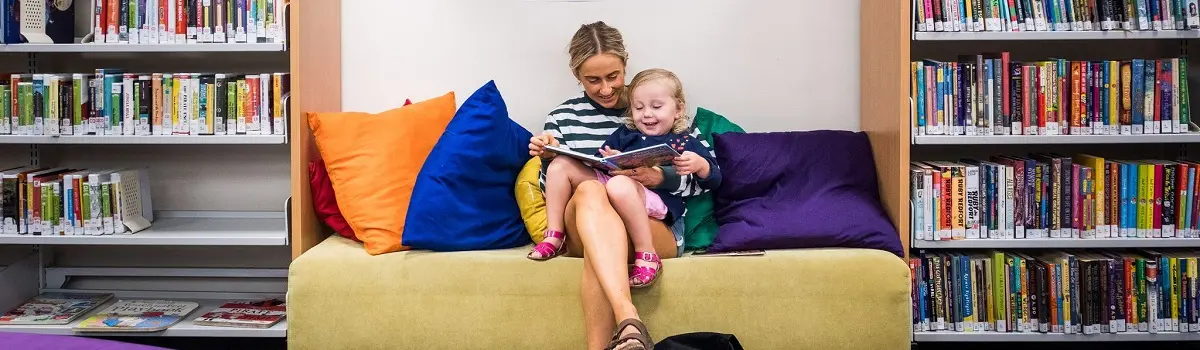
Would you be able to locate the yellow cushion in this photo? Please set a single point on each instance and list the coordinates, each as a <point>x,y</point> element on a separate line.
<point>373,160</point>
<point>530,199</point>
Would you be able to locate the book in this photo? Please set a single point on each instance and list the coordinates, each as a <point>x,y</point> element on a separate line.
<point>752,252</point>
<point>245,314</point>
<point>648,156</point>
<point>63,201</point>
<point>150,22</point>
<point>53,308</point>
<point>137,316</point>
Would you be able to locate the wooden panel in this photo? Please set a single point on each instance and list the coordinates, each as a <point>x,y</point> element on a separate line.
<point>316,61</point>
<point>884,39</point>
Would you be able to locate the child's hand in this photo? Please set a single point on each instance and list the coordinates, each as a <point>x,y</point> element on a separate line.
<point>538,143</point>
<point>691,163</point>
<point>609,152</point>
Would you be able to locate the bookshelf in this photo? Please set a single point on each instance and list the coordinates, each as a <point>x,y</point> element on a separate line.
<point>222,227</point>
<point>890,41</point>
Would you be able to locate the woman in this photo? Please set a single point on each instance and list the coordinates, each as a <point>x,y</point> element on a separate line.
<point>593,228</point>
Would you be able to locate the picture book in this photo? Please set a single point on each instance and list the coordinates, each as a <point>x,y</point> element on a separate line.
<point>245,314</point>
<point>53,308</point>
<point>649,156</point>
<point>137,316</point>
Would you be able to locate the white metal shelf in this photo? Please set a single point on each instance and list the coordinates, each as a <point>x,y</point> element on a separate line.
<point>1053,139</point>
<point>1051,337</point>
<point>181,231</point>
<point>119,48</point>
<point>146,140</point>
<point>185,327</point>
<point>1065,35</point>
<point>1059,243</point>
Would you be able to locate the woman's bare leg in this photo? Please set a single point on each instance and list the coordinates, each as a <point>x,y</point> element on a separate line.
<point>563,174</point>
<point>588,214</point>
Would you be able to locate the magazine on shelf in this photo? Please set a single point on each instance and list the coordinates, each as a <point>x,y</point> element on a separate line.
<point>245,314</point>
<point>137,316</point>
<point>649,156</point>
<point>53,308</point>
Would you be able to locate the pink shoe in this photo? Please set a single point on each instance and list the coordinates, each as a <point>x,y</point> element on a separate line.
<point>547,250</point>
<point>644,276</point>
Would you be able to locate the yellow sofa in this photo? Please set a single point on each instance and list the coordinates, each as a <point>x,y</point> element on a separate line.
<point>339,297</point>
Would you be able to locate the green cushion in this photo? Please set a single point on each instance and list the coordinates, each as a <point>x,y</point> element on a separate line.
<point>701,227</point>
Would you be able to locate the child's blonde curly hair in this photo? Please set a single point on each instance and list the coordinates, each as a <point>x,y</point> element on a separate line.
<point>682,124</point>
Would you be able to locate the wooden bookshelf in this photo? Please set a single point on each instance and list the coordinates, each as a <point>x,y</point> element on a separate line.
<point>883,101</point>
<point>316,61</point>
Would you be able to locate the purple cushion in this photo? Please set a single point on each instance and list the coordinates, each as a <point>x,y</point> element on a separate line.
<point>801,189</point>
<point>30,341</point>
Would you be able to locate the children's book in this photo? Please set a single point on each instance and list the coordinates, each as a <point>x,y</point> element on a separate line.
<point>649,156</point>
<point>245,314</point>
<point>137,316</point>
<point>53,308</point>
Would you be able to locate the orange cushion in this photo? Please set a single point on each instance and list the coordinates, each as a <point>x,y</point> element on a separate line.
<point>373,160</point>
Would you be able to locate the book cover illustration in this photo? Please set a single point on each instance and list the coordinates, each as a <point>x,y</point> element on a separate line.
<point>137,316</point>
<point>53,308</point>
<point>649,156</point>
<point>245,314</point>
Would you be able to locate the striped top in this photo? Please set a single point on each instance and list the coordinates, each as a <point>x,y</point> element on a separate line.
<point>582,125</point>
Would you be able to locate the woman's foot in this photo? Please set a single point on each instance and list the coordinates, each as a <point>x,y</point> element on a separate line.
<point>631,335</point>
<point>645,270</point>
<point>550,247</point>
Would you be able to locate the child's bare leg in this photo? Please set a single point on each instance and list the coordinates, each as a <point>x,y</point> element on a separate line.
<point>629,199</point>
<point>562,176</point>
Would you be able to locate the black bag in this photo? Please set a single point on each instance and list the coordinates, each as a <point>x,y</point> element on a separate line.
<point>699,341</point>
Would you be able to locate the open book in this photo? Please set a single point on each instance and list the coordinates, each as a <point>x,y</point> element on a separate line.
<point>649,156</point>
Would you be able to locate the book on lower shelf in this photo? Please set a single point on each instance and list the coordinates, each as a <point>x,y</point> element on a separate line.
<point>245,314</point>
<point>57,201</point>
<point>53,308</point>
<point>117,102</point>
<point>991,94</point>
<point>1049,195</point>
<point>1067,15</point>
<point>1067,292</point>
<point>137,316</point>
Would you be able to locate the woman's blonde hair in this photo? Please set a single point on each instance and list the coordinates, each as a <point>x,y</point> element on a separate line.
<point>665,76</point>
<point>594,39</point>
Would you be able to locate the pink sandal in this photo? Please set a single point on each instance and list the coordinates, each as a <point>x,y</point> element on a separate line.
<point>643,276</point>
<point>547,250</point>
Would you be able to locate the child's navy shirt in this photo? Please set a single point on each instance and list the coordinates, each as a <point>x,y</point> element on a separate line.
<point>628,139</point>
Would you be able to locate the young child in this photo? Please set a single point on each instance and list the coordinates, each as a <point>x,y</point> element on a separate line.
<point>655,116</point>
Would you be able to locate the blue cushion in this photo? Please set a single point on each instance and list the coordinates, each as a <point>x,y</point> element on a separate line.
<point>463,198</point>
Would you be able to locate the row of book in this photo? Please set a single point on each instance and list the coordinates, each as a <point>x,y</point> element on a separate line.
<point>139,315</point>
<point>1054,15</point>
<point>113,102</point>
<point>188,21</point>
<point>990,94</point>
<point>1070,292</point>
<point>1047,195</point>
<point>58,201</point>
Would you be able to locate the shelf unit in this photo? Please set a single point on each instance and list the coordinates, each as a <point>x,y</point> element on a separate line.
<point>888,43</point>
<point>225,231</point>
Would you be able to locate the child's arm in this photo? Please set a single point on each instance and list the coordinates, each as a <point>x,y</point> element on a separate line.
<point>685,185</point>
<point>709,181</point>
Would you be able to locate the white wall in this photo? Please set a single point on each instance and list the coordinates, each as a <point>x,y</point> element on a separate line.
<point>769,65</point>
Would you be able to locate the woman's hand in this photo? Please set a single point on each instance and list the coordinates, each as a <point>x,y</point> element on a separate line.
<point>538,143</point>
<point>692,163</point>
<point>650,177</point>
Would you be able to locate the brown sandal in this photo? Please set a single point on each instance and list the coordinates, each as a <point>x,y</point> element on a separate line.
<point>642,336</point>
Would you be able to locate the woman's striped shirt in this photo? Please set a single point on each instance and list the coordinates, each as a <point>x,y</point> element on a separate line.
<point>582,125</point>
